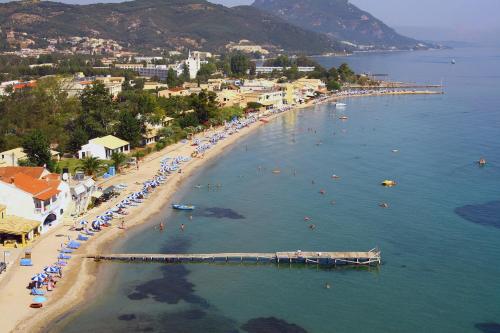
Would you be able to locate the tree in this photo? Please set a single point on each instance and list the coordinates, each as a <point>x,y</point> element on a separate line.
<point>333,85</point>
<point>37,150</point>
<point>171,78</point>
<point>118,160</point>
<point>185,73</point>
<point>91,165</point>
<point>239,64</point>
<point>98,110</point>
<point>346,73</point>
<point>206,70</point>
<point>77,139</point>
<point>129,128</point>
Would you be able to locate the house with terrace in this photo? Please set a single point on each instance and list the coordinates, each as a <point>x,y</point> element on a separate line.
<point>34,194</point>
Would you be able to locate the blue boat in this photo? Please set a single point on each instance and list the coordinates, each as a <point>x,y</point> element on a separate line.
<point>183,207</point>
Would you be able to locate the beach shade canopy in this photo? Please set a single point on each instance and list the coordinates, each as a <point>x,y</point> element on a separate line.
<point>39,299</point>
<point>38,278</point>
<point>51,269</point>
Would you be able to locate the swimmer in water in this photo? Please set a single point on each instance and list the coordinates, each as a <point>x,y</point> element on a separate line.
<point>327,285</point>
<point>161,226</point>
<point>182,227</point>
<point>312,226</point>
<point>191,217</point>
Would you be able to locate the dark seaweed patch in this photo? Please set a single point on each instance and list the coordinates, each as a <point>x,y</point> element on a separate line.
<point>127,317</point>
<point>271,325</point>
<point>220,213</point>
<point>486,214</point>
<point>137,296</point>
<point>171,288</point>
<point>195,321</point>
<point>490,327</point>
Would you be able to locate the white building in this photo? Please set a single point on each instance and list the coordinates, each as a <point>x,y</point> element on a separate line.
<point>11,157</point>
<point>193,62</point>
<point>104,147</point>
<point>35,194</point>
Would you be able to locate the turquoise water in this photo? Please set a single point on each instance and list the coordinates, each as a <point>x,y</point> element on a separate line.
<point>440,271</point>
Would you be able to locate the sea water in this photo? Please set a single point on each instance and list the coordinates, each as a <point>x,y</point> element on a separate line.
<point>439,237</point>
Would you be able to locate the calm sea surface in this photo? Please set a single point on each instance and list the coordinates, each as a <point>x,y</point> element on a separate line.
<point>440,237</point>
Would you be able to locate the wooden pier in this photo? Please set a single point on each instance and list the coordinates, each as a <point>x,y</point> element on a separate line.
<point>369,258</point>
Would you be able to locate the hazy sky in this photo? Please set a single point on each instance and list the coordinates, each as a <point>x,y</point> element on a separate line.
<point>430,19</point>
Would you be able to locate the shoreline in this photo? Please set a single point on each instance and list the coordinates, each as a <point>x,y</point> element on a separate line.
<point>80,273</point>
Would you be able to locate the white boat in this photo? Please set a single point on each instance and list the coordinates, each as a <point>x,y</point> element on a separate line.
<point>340,105</point>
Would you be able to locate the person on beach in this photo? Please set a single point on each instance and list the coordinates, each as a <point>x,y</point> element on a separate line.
<point>123,224</point>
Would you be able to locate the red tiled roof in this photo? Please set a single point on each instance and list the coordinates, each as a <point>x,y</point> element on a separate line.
<point>28,180</point>
<point>7,172</point>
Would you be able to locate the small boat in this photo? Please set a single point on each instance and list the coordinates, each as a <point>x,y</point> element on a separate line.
<point>343,118</point>
<point>276,171</point>
<point>36,305</point>
<point>388,183</point>
<point>340,105</point>
<point>481,162</point>
<point>183,207</point>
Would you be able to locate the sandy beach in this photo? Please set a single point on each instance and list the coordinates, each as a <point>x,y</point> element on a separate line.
<point>71,291</point>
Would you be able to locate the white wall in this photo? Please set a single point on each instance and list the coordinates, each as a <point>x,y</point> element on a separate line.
<point>91,149</point>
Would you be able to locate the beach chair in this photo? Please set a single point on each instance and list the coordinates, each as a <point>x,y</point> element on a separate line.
<point>66,251</point>
<point>63,256</point>
<point>25,262</point>
<point>37,292</point>
<point>82,238</point>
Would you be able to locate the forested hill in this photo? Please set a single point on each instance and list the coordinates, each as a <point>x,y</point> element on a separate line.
<point>340,20</point>
<point>196,24</point>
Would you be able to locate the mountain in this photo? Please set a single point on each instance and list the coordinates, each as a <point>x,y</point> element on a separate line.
<point>195,24</point>
<point>340,20</point>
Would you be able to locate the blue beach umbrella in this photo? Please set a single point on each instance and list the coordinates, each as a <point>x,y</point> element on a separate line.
<point>37,278</point>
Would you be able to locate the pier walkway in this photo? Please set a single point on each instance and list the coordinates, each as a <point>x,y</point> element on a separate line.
<point>369,258</point>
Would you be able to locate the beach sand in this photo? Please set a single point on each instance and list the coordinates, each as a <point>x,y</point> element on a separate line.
<point>80,273</point>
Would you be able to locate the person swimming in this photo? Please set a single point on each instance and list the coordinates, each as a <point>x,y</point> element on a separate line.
<point>312,226</point>
<point>182,227</point>
<point>161,227</point>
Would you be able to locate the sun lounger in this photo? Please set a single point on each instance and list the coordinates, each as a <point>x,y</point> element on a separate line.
<point>66,251</point>
<point>26,262</point>
<point>61,263</point>
<point>37,292</point>
<point>63,256</point>
<point>73,244</point>
<point>82,238</point>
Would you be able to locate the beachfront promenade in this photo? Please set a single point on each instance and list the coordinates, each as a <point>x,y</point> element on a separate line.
<point>368,258</point>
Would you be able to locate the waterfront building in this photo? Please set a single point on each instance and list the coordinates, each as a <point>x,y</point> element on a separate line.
<point>104,147</point>
<point>35,194</point>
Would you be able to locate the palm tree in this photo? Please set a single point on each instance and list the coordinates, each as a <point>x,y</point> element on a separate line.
<point>118,160</point>
<point>91,165</point>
